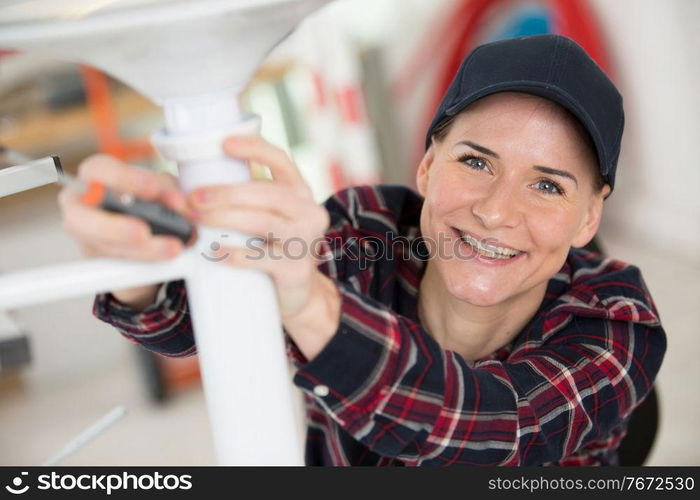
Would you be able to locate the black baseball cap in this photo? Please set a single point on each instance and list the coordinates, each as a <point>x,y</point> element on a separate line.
<point>549,66</point>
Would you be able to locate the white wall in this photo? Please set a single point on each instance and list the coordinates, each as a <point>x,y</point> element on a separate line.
<point>656,51</point>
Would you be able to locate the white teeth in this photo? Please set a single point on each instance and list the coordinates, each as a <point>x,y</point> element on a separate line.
<point>488,250</point>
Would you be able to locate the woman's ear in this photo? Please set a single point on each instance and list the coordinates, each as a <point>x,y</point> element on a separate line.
<point>424,170</point>
<point>591,222</point>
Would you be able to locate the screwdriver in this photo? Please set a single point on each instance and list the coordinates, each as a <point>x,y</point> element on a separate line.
<point>159,218</point>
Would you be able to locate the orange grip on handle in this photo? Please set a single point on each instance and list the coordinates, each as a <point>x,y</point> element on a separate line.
<point>94,195</point>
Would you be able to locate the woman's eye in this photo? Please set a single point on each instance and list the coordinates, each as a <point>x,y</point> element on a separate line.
<point>474,162</point>
<point>550,187</point>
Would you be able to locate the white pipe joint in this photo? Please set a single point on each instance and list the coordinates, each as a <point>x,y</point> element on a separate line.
<point>194,141</point>
<point>187,144</point>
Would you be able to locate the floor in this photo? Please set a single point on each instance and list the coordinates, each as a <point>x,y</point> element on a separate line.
<point>37,423</point>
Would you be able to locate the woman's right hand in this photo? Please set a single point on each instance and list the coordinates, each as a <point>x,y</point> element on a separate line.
<point>99,233</point>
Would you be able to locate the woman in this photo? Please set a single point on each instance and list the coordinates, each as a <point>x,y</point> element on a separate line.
<point>462,324</point>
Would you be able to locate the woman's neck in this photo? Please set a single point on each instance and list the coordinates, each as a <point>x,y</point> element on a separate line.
<point>470,330</point>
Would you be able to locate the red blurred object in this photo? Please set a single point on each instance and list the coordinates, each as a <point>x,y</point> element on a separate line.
<point>5,53</point>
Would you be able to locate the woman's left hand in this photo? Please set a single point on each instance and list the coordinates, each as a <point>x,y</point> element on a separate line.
<point>282,211</point>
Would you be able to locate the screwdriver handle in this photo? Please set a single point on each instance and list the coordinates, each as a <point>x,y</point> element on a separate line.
<point>160,219</point>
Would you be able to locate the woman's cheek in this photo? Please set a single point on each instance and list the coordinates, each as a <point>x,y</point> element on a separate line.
<point>448,195</point>
<point>547,232</point>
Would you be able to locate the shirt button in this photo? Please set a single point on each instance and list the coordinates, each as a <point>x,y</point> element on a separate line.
<point>321,390</point>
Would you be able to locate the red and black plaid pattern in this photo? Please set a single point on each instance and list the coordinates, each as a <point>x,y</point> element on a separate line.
<point>383,392</point>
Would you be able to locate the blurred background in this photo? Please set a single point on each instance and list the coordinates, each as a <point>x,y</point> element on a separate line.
<point>349,94</point>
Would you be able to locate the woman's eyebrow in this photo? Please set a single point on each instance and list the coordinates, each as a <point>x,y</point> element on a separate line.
<point>479,148</point>
<point>554,171</point>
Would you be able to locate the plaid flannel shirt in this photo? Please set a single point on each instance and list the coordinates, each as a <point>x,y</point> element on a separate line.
<point>383,392</point>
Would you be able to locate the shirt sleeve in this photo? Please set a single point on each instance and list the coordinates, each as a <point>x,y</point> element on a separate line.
<point>386,382</point>
<point>358,215</point>
<point>164,327</point>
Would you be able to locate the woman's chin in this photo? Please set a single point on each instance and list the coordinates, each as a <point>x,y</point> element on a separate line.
<point>484,294</point>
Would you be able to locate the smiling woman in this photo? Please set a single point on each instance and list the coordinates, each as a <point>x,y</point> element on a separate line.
<point>463,323</point>
<point>491,182</point>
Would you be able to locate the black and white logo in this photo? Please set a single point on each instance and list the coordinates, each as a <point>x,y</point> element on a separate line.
<point>16,488</point>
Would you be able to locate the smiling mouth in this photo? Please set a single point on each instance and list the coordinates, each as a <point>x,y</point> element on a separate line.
<point>486,250</point>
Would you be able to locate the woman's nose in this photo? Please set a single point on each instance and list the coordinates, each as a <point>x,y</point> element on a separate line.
<point>498,206</point>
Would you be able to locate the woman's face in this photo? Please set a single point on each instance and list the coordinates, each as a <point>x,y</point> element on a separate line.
<point>512,173</point>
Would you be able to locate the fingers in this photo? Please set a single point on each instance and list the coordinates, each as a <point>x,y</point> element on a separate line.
<point>256,149</point>
<point>251,194</point>
<point>254,222</point>
<point>258,223</point>
<point>88,250</point>
<point>262,195</point>
<point>101,233</point>
<point>119,175</point>
<point>138,181</point>
<point>257,210</point>
<point>153,249</point>
<point>171,196</point>
<point>93,224</point>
